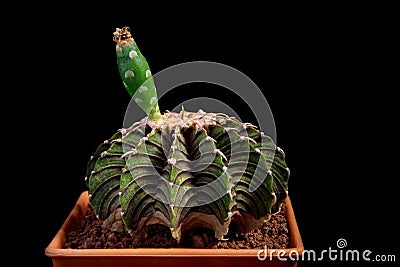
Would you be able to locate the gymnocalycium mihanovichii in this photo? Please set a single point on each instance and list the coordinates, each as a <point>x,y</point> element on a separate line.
<point>182,170</point>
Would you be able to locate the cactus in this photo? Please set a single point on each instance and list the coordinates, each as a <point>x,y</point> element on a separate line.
<point>183,170</point>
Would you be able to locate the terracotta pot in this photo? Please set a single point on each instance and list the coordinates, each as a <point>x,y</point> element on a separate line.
<point>62,257</point>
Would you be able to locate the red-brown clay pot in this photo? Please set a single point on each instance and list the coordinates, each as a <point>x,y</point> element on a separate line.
<point>157,257</point>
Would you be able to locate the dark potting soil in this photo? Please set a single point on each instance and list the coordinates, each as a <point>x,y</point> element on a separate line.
<point>274,233</point>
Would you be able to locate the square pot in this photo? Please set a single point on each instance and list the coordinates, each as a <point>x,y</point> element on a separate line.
<point>63,257</point>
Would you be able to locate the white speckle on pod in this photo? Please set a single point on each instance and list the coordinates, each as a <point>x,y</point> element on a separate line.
<point>143,89</point>
<point>153,100</point>
<point>132,54</point>
<point>129,74</point>
<point>138,100</point>
<point>148,73</point>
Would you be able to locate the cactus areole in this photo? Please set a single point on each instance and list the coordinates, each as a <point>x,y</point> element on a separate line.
<point>183,170</point>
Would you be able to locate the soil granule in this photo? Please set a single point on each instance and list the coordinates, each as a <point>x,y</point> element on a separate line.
<point>274,234</point>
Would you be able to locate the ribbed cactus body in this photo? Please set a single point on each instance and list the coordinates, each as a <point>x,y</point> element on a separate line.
<point>187,170</point>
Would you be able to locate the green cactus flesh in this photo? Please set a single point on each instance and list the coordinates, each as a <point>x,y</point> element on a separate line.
<point>158,172</point>
<point>135,73</point>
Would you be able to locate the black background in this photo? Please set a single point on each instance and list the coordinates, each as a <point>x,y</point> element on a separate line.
<point>326,72</point>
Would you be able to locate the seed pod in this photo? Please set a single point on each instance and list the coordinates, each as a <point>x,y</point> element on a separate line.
<point>135,73</point>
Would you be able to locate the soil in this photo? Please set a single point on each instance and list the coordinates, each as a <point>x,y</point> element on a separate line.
<point>274,233</point>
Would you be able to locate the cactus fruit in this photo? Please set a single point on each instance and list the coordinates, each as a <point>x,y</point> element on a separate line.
<point>183,170</point>
<point>135,73</point>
